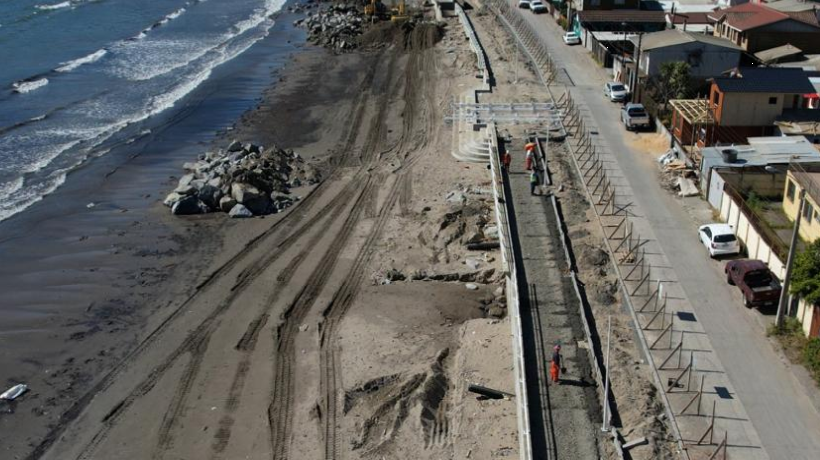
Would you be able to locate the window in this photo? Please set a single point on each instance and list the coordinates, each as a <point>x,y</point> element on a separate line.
<point>817,217</point>
<point>808,210</point>
<point>620,2</point>
<point>725,238</point>
<point>790,190</point>
<point>773,100</point>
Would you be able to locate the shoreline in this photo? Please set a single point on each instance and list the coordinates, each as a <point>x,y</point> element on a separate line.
<point>88,283</point>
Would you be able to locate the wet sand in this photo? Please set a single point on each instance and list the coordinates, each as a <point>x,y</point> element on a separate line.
<point>90,271</point>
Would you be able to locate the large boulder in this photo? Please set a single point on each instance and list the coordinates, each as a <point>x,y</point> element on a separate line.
<point>259,205</point>
<point>243,193</point>
<point>240,211</point>
<point>185,180</point>
<point>235,146</point>
<point>188,205</point>
<point>185,190</point>
<point>172,198</point>
<point>210,195</point>
<point>226,203</point>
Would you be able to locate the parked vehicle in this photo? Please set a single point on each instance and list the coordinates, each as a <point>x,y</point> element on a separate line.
<point>634,117</point>
<point>719,239</point>
<point>538,7</point>
<point>757,283</point>
<point>616,92</point>
<point>524,4</point>
<point>571,38</point>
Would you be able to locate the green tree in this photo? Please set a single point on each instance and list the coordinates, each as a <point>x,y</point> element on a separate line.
<point>805,280</point>
<point>673,81</point>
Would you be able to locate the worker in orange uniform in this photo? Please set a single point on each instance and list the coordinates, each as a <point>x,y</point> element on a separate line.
<point>555,365</point>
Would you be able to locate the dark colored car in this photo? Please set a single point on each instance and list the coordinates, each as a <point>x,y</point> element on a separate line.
<point>757,283</point>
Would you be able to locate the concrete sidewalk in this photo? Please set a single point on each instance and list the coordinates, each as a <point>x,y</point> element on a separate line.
<point>564,417</point>
<point>767,412</point>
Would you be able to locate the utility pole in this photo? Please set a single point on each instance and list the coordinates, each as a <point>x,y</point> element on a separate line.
<point>569,15</point>
<point>784,293</point>
<point>637,66</point>
<point>604,425</point>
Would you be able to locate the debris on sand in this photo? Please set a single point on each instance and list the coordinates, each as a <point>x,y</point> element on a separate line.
<point>14,392</point>
<point>244,180</point>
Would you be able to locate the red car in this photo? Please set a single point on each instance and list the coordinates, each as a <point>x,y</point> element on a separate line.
<point>757,283</point>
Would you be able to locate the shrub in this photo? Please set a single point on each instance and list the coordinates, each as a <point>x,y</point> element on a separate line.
<point>754,202</point>
<point>811,357</point>
<point>562,21</point>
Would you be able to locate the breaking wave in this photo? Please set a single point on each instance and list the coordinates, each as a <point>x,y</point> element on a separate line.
<point>55,6</point>
<point>27,86</point>
<point>71,65</point>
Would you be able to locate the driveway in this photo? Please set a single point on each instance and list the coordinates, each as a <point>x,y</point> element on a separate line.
<point>778,399</point>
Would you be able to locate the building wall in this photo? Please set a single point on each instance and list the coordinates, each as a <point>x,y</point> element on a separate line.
<point>810,223</point>
<point>799,34</point>
<point>805,314</point>
<point>704,60</point>
<point>751,109</point>
<point>588,5</point>
<point>755,245</point>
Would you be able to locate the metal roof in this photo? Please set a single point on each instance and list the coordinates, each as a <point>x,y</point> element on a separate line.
<point>672,37</point>
<point>778,52</point>
<point>792,5</point>
<point>781,80</point>
<point>622,16</point>
<point>763,151</point>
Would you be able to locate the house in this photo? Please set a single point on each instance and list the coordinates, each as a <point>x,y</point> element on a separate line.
<point>631,21</point>
<point>802,179</point>
<point>759,152</point>
<point>751,199</point>
<point>707,56</point>
<point>697,21</point>
<point>755,27</point>
<point>755,97</point>
<point>592,5</point>
<point>747,103</point>
<point>797,181</point>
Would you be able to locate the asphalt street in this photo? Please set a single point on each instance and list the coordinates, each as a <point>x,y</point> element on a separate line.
<point>779,402</point>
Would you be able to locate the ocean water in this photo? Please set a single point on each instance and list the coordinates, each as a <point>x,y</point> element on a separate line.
<point>82,78</point>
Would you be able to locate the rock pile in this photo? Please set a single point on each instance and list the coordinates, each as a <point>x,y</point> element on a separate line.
<point>336,27</point>
<point>244,180</point>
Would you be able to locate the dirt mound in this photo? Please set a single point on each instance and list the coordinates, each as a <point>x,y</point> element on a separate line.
<point>409,35</point>
<point>386,402</point>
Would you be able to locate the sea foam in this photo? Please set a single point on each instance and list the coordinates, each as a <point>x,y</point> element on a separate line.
<point>71,65</point>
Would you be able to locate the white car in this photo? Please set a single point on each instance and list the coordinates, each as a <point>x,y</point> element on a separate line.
<point>524,4</point>
<point>571,38</point>
<point>616,92</point>
<point>538,7</point>
<point>719,239</point>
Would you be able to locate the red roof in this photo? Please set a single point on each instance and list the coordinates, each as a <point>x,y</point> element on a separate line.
<point>749,16</point>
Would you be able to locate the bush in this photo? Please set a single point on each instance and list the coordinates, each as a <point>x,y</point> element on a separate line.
<point>562,21</point>
<point>754,202</point>
<point>797,347</point>
<point>811,357</point>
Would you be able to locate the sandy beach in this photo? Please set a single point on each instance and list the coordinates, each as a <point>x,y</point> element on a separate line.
<point>204,337</point>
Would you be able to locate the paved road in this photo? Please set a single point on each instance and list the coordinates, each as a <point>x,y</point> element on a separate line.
<point>776,401</point>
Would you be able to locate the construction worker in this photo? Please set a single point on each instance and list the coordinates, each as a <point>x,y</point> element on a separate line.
<point>529,147</point>
<point>555,365</point>
<point>533,181</point>
<point>506,160</point>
